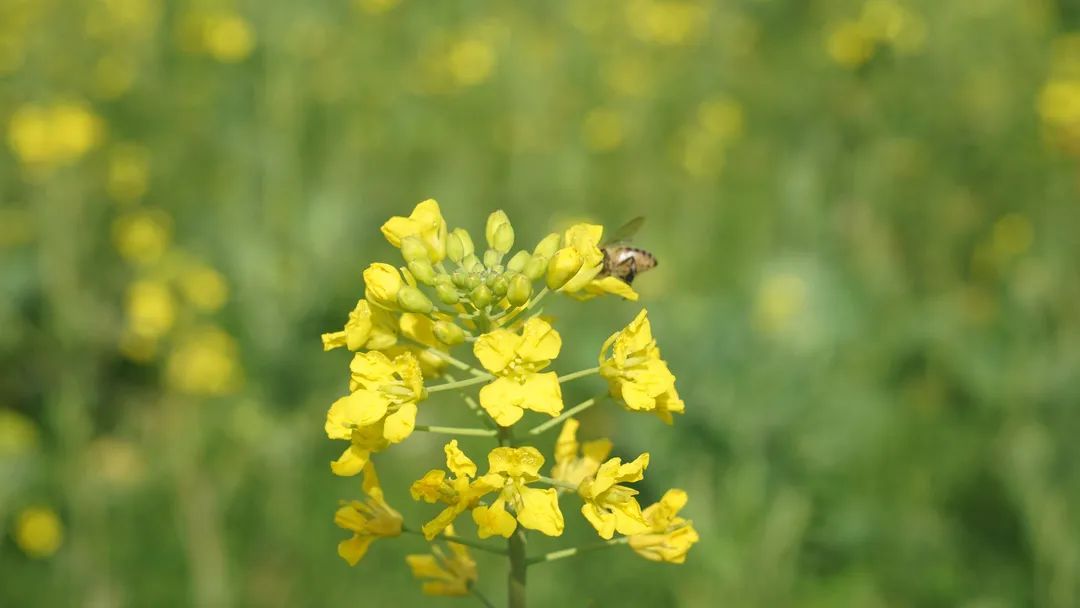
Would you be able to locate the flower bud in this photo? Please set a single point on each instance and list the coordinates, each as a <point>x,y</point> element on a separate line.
<point>499,232</point>
<point>517,263</point>
<point>499,286</point>
<point>563,266</point>
<point>548,246</point>
<point>413,300</point>
<point>491,258</point>
<point>481,296</point>
<point>471,263</point>
<point>382,282</point>
<point>536,267</point>
<point>412,248</point>
<point>459,278</point>
<point>448,333</point>
<point>473,281</point>
<point>458,245</point>
<point>423,271</point>
<point>446,293</point>
<point>443,279</point>
<point>519,290</point>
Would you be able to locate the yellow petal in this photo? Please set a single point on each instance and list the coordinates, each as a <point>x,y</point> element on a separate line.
<point>360,408</point>
<point>353,549</point>
<point>351,461</point>
<point>493,521</point>
<point>495,350</point>
<point>540,510</point>
<point>382,283</point>
<point>518,463</point>
<point>601,519</point>
<point>498,399</point>
<point>456,460</point>
<point>401,423</point>
<point>542,393</point>
<point>334,340</point>
<point>446,517</point>
<point>426,566</point>
<point>540,342</point>
<point>370,370</point>
<point>611,285</point>
<point>566,446</point>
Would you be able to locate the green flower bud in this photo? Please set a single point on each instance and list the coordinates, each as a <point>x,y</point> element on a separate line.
<point>473,281</point>
<point>548,246</point>
<point>447,293</point>
<point>422,270</point>
<point>499,286</point>
<point>448,333</point>
<point>412,248</point>
<point>504,238</point>
<point>459,245</point>
<point>495,223</point>
<point>459,278</point>
<point>519,290</point>
<point>563,266</point>
<point>489,278</point>
<point>471,263</point>
<point>481,296</point>
<point>443,279</point>
<point>412,299</point>
<point>536,267</point>
<point>491,258</point>
<point>517,263</point>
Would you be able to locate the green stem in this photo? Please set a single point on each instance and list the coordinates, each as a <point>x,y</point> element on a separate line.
<point>480,596</point>
<point>475,407</point>
<point>558,484</point>
<point>581,374</point>
<point>577,409</point>
<point>465,367</point>
<point>571,552</point>
<point>518,565</point>
<point>507,317</point>
<point>449,386</point>
<point>461,541</point>
<point>454,430</point>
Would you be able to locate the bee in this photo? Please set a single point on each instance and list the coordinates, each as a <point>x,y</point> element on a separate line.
<point>623,261</point>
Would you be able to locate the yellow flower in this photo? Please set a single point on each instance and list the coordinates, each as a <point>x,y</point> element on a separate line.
<point>368,327</point>
<point>450,574</point>
<point>150,309</point>
<point>382,282</point>
<point>38,532</point>
<point>128,173</point>
<point>205,362</point>
<point>142,237</point>
<point>636,374</point>
<point>669,537</point>
<point>606,285</point>
<point>421,328</point>
<point>382,391</point>
<point>227,36</point>
<point>461,492</point>
<point>850,44</point>
<point>584,241</point>
<point>54,135</point>
<point>426,222</point>
<point>571,468</point>
<point>18,435</point>
<point>516,360</point>
<point>610,507</point>
<point>204,287</point>
<point>363,442</point>
<point>533,508</point>
<point>367,520</point>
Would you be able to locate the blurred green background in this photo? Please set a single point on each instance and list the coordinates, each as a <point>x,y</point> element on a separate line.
<point>866,214</point>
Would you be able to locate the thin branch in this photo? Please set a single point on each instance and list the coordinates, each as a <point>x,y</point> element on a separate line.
<point>577,409</point>
<point>449,386</point>
<point>571,552</point>
<point>454,430</point>
<point>576,375</point>
<point>461,541</point>
<point>557,483</point>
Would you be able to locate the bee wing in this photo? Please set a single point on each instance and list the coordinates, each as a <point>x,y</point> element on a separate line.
<point>626,231</point>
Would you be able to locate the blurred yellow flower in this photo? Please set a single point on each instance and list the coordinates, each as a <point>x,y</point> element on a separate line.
<point>533,508</point>
<point>128,176</point>
<point>449,574</point>
<point>850,44</point>
<point>205,362</point>
<point>611,507</point>
<point>114,75</point>
<point>150,308</point>
<point>637,376</point>
<point>54,134</point>
<point>221,34</point>
<point>1059,104</point>
<point>203,287</point>
<point>18,434</point>
<point>137,348</point>
<point>603,130</point>
<point>781,299</point>
<point>142,236</point>
<point>669,537</point>
<point>375,7</point>
<point>471,61</point>
<point>666,22</point>
<point>1013,235</point>
<point>461,492</point>
<point>892,23</point>
<point>721,118</point>
<point>16,227</point>
<point>516,361</point>
<point>571,468</point>
<point>368,520</point>
<point>38,532</point>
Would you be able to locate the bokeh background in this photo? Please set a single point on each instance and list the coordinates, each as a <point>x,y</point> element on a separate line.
<point>866,213</point>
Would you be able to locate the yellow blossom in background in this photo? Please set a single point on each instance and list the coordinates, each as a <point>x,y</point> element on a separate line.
<point>368,520</point>
<point>115,461</point>
<point>850,44</point>
<point>221,34</point>
<point>1059,104</point>
<point>141,237</point>
<point>16,227</point>
<point>114,75</point>
<point>204,362</point>
<point>1013,235</point>
<point>375,7</point>
<point>128,176</point>
<point>781,300</point>
<point>460,493</point>
<point>533,508</point>
<point>721,118</point>
<point>18,434</point>
<point>471,61</point>
<point>451,573</point>
<point>516,361</point>
<point>56,134</point>
<point>637,376</point>
<point>611,507</point>
<point>569,466</point>
<point>150,308</point>
<point>203,287</point>
<point>665,22</point>
<point>603,130</point>
<point>669,537</point>
<point>892,23</point>
<point>38,532</point>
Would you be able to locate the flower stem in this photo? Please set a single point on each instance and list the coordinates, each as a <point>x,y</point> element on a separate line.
<point>576,375</point>
<point>454,430</point>
<point>480,596</point>
<point>558,484</point>
<point>505,318</point>
<point>461,541</point>
<point>518,566</point>
<point>577,409</point>
<point>571,552</point>
<point>449,386</point>
<point>474,406</point>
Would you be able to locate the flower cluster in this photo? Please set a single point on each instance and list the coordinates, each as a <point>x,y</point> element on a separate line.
<point>448,295</point>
